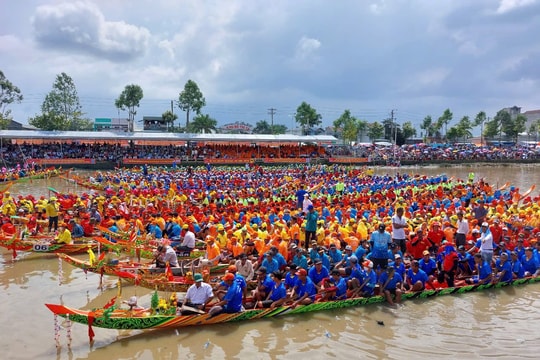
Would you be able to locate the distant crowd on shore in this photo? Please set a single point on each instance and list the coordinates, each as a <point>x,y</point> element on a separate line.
<point>373,153</point>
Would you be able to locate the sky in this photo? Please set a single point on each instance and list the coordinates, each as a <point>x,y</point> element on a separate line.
<point>416,57</point>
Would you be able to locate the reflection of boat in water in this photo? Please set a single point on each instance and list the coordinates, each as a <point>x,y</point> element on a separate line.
<point>158,317</point>
<point>20,271</point>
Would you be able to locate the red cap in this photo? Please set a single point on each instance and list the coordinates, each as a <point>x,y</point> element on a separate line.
<point>301,272</point>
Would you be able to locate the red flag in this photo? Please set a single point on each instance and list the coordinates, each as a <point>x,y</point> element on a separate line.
<point>90,330</point>
<point>169,272</point>
<point>132,236</point>
<point>110,303</point>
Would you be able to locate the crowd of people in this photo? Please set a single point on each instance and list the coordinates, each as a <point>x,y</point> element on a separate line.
<point>13,153</point>
<point>298,235</point>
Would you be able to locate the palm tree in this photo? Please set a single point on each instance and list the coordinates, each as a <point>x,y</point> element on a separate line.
<point>169,117</point>
<point>202,124</point>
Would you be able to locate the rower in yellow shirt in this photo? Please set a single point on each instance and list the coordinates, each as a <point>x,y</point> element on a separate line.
<point>64,235</point>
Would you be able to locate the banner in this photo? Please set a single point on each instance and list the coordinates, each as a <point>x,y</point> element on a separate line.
<point>61,161</point>
<point>150,161</point>
<point>348,160</point>
<point>285,160</point>
<point>226,161</point>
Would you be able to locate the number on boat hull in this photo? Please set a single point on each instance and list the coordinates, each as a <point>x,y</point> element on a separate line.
<point>41,247</point>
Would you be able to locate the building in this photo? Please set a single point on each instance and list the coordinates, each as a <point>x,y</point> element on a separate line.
<point>514,111</point>
<point>532,117</point>
<point>111,124</point>
<point>154,124</point>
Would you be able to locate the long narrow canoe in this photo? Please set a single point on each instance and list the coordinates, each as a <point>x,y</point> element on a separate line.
<point>44,245</point>
<point>142,274</point>
<point>125,319</point>
<point>144,251</point>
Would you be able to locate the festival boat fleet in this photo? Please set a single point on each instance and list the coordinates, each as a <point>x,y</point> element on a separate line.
<point>314,237</point>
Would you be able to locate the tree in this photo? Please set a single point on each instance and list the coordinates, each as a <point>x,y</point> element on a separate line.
<point>191,99</point>
<point>307,117</point>
<point>464,127</point>
<point>169,117</point>
<point>408,130</point>
<point>375,130</point>
<point>480,119</point>
<point>492,127</point>
<point>444,120</point>
<point>61,109</point>
<point>348,126</point>
<point>534,128</point>
<point>202,124</point>
<point>262,127</point>
<point>9,94</point>
<point>516,127</point>
<point>130,99</point>
<point>279,129</point>
<point>428,126</point>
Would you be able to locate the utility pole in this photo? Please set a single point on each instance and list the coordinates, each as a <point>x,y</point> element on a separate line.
<point>272,112</point>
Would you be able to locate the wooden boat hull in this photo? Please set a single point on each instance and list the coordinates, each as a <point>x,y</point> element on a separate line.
<point>43,246</point>
<point>123,319</point>
<point>144,251</point>
<point>140,274</point>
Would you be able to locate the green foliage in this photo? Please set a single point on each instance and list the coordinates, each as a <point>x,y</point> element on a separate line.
<point>492,127</point>
<point>480,118</point>
<point>348,126</point>
<point>444,120</point>
<point>307,117</point>
<point>169,117</point>
<point>9,94</point>
<point>408,130</point>
<point>61,109</point>
<point>428,126</point>
<point>191,99</point>
<point>461,131</point>
<point>375,130</point>
<point>202,124</point>
<point>262,127</point>
<point>129,100</point>
<point>154,301</point>
<point>518,126</point>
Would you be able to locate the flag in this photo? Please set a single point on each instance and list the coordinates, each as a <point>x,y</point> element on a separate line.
<point>13,238</point>
<point>110,303</point>
<point>91,256</point>
<point>90,330</point>
<point>133,236</point>
<point>169,272</point>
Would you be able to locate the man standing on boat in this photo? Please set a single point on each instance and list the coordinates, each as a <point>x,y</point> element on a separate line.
<point>311,226</point>
<point>462,229</point>
<point>379,248</point>
<point>399,223</point>
<point>52,213</point>
<point>486,243</point>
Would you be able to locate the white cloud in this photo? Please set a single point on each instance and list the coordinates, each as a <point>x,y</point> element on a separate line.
<point>80,26</point>
<point>509,5</point>
<point>306,51</point>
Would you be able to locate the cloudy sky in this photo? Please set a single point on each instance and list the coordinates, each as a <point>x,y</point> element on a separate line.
<point>418,57</point>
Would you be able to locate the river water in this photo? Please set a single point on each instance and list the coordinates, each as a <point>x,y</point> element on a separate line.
<point>501,323</point>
